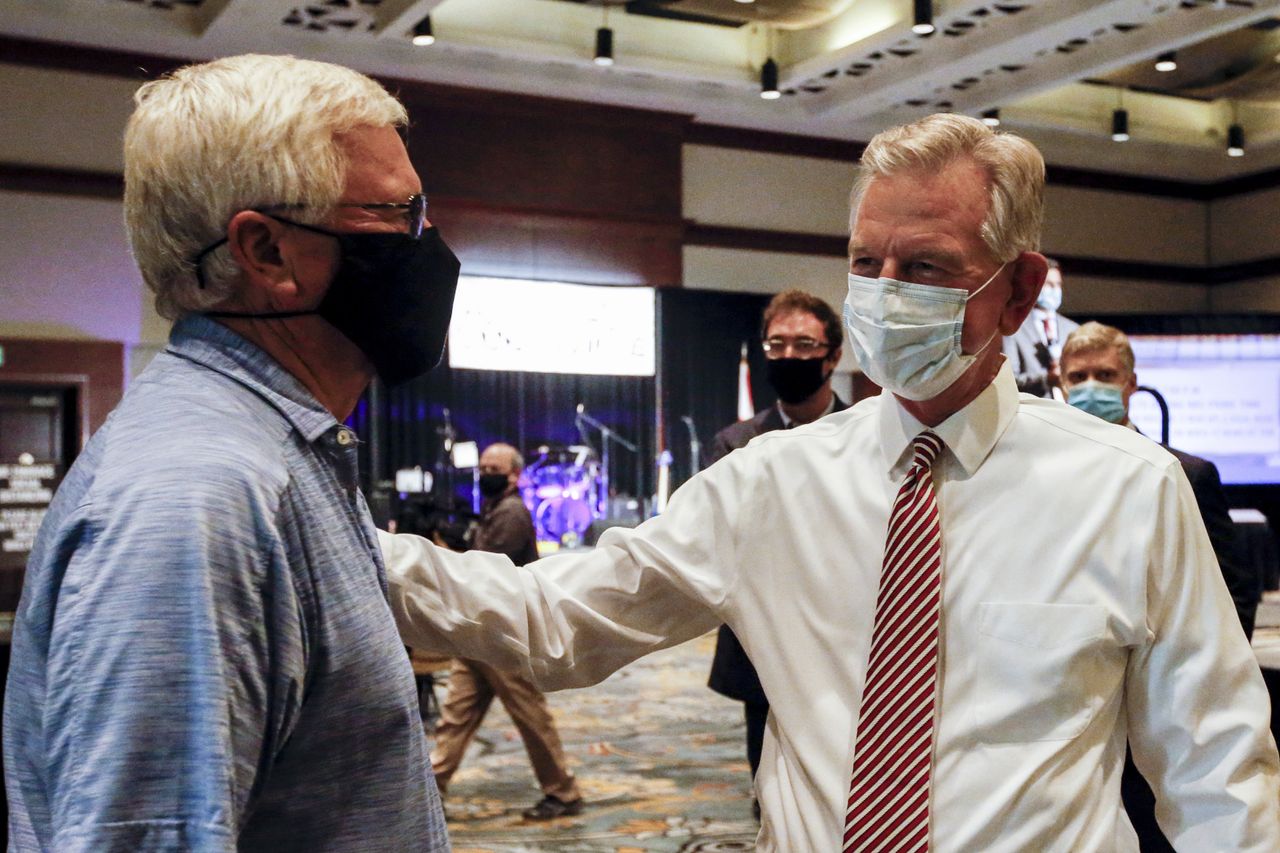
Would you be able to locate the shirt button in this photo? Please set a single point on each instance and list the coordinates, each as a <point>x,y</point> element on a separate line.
<point>345,437</point>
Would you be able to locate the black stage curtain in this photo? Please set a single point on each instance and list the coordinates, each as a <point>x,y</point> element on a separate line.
<point>700,334</point>
<point>526,410</point>
<point>699,343</point>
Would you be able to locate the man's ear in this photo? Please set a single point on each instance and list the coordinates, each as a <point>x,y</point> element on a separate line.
<point>1029,271</point>
<point>254,241</point>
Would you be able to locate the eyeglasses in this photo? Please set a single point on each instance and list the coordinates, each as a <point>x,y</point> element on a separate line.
<point>415,212</point>
<point>802,347</point>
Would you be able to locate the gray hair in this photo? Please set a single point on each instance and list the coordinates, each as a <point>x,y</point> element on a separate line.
<point>235,134</point>
<point>1014,168</point>
<point>517,460</point>
<point>1094,336</point>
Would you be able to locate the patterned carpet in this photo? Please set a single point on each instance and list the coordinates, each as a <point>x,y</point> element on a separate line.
<point>659,758</point>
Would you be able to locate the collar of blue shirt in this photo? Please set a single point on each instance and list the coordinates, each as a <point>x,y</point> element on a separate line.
<point>209,343</point>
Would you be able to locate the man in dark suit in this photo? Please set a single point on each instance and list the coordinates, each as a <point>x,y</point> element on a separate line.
<point>1035,349</point>
<point>801,336</point>
<point>1098,377</point>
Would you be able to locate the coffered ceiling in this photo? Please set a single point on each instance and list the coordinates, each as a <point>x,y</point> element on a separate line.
<point>1055,69</point>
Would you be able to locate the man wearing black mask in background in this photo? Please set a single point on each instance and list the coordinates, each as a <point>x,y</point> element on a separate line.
<point>505,528</point>
<point>801,337</point>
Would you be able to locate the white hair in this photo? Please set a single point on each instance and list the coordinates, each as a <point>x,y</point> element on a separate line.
<point>1015,173</point>
<point>235,134</point>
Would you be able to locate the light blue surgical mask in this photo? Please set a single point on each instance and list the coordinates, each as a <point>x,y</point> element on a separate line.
<point>1050,298</point>
<point>1100,399</point>
<point>906,337</point>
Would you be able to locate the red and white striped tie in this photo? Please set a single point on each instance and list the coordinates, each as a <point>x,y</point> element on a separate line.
<point>888,807</point>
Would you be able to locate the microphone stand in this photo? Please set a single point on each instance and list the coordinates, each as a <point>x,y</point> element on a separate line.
<point>606,435</point>
<point>695,447</point>
<point>444,467</point>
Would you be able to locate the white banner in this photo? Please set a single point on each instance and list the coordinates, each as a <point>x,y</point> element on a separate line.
<point>552,327</point>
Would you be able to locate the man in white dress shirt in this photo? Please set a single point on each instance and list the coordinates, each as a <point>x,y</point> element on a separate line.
<point>1049,657</point>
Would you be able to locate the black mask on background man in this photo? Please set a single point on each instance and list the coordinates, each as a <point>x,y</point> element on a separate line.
<point>795,380</point>
<point>392,297</point>
<point>492,485</point>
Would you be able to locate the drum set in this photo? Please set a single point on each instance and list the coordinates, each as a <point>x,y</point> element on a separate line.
<point>563,489</point>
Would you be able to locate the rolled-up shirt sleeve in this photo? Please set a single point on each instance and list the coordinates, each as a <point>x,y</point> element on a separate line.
<point>177,649</point>
<point>1198,707</point>
<point>570,620</point>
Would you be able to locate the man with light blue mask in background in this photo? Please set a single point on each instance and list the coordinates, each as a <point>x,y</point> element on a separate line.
<point>1098,377</point>
<point>1034,350</point>
<point>940,678</point>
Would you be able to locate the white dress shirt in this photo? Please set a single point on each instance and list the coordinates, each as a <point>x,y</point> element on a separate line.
<point>1081,604</point>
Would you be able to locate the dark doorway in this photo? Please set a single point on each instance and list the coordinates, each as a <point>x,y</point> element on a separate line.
<point>39,438</point>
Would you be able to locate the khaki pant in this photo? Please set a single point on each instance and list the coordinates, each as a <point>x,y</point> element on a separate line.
<point>472,687</point>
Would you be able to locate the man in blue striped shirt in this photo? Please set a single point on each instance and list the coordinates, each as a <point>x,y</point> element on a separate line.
<point>204,657</point>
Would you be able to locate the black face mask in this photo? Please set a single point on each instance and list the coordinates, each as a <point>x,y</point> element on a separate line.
<point>795,379</point>
<point>492,485</point>
<point>392,297</point>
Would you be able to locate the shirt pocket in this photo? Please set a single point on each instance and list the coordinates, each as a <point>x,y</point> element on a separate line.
<point>1039,670</point>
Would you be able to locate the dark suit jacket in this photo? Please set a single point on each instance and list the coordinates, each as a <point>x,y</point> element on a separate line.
<point>732,674</point>
<point>1029,358</point>
<point>1205,482</point>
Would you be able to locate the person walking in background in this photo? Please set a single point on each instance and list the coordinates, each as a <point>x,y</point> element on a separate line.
<point>505,528</point>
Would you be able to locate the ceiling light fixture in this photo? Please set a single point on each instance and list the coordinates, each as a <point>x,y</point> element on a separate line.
<point>604,47</point>
<point>1167,61</point>
<point>422,32</point>
<point>923,18</point>
<point>1235,141</point>
<point>604,41</point>
<point>744,2</point>
<point>1120,126</point>
<point>991,118</point>
<point>769,80</point>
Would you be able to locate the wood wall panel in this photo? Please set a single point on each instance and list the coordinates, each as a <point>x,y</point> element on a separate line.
<point>96,368</point>
<point>520,243</point>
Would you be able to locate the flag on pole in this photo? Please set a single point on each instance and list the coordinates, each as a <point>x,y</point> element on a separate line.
<point>746,409</point>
